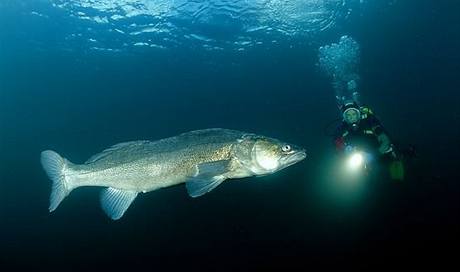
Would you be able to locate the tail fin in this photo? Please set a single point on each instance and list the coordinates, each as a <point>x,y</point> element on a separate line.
<point>54,166</point>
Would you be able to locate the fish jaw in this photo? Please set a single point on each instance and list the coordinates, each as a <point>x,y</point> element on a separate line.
<point>293,158</point>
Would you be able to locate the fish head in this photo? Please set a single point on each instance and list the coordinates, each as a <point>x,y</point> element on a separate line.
<point>268,155</point>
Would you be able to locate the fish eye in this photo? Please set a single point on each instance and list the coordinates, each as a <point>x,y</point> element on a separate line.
<point>286,148</point>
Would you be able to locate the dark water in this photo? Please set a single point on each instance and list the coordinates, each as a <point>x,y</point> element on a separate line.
<point>78,102</point>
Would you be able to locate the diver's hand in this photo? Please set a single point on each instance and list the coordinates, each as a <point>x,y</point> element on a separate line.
<point>385,144</point>
<point>391,152</point>
<point>394,155</point>
<point>349,149</point>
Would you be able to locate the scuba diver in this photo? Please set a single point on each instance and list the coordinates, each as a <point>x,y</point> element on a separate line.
<point>360,135</point>
<point>361,131</point>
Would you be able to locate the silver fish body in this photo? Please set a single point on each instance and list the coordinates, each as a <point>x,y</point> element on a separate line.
<point>202,159</point>
<point>145,166</point>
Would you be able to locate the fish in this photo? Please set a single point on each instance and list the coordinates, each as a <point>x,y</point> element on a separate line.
<point>202,159</point>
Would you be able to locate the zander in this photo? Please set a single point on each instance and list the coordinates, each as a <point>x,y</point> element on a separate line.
<point>201,159</point>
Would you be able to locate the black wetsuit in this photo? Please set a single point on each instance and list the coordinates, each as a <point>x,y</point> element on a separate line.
<point>368,135</point>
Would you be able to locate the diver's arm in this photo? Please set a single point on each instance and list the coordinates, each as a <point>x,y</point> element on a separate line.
<point>339,143</point>
<point>339,139</point>
<point>385,145</point>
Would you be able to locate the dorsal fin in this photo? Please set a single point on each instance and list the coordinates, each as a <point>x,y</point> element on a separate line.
<point>113,148</point>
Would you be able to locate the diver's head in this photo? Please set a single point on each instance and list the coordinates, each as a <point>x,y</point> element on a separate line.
<point>351,114</point>
<point>268,155</point>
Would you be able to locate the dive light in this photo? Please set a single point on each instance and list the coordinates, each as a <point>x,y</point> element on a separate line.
<point>356,160</point>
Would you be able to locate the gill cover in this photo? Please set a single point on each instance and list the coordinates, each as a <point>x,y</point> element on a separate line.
<point>264,156</point>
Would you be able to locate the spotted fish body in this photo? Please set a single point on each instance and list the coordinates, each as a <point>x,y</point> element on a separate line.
<point>202,159</point>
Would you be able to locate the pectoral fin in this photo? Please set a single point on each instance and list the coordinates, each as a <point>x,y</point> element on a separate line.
<point>209,176</point>
<point>115,202</point>
<point>197,187</point>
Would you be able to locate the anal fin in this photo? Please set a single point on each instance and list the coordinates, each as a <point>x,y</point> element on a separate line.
<point>115,202</point>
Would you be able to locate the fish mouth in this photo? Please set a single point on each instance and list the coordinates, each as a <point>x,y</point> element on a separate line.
<point>293,158</point>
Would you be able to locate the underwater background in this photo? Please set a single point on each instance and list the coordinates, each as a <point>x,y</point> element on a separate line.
<point>79,76</point>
